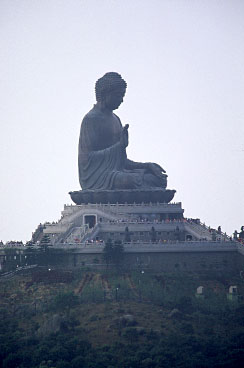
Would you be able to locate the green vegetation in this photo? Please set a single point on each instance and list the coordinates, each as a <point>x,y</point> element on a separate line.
<point>113,252</point>
<point>45,241</point>
<point>131,320</point>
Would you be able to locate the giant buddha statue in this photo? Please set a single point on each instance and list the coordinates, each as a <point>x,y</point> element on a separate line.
<point>105,172</point>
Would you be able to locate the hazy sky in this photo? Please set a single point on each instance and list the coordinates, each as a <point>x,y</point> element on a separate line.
<point>184,65</point>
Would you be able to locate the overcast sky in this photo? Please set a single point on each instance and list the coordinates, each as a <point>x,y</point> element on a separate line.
<point>184,65</point>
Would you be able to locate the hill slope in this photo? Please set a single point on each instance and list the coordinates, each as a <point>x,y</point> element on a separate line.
<point>120,320</point>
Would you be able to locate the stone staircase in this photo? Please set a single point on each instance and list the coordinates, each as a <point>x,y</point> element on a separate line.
<point>198,231</point>
<point>92,233</point>
<point>77,232</point>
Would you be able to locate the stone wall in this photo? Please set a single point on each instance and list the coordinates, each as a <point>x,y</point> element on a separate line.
<point>182,256</point>
<point>172,261</point>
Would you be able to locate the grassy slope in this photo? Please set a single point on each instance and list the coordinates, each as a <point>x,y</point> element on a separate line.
<point>94,311</point>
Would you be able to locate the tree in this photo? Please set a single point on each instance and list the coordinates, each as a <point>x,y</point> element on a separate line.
<point>45,241</point>
<point>153,235</point>
<point>127,235</point>
<point>131,334</point>
<point>108,251</point>
<point>65,301</point>
<point>113,252</point>
<point>118,252</point>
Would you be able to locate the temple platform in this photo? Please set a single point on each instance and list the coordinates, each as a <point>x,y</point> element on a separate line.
<point>156,195</point>
<point>135,223</point>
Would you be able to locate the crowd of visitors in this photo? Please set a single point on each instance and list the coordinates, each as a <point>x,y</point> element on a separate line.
<point>11,243</point>
<point>146,220</point>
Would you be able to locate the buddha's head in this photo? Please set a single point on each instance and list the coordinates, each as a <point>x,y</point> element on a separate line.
<point>110,90</point>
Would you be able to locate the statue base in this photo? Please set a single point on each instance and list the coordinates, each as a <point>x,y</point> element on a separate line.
<point>123,196</point>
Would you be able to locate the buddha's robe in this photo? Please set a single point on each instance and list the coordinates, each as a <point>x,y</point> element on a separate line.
<point>103,163</point>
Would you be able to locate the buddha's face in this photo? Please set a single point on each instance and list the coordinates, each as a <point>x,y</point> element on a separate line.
<point>114,99</point>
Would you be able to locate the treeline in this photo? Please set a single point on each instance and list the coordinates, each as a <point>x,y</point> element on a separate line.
<point>70,349</point>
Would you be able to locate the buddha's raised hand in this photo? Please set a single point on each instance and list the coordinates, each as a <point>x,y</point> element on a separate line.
<point>124,139</point>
